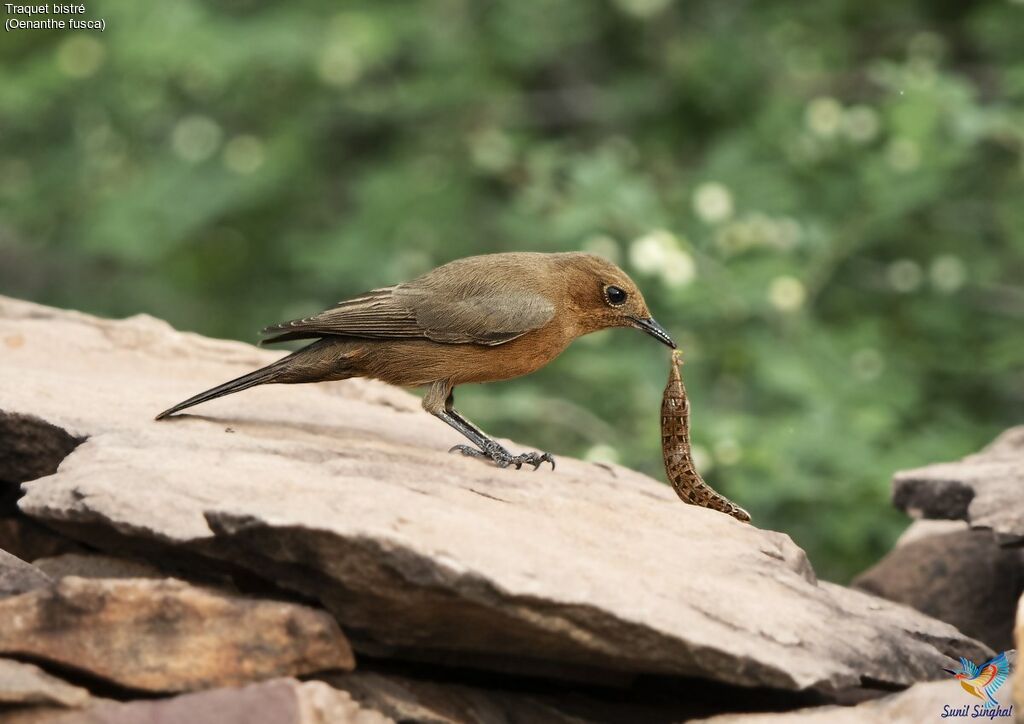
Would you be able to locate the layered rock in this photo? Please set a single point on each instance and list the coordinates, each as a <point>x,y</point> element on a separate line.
<point>95,565</point>
<point>277,701</point>
<point>32,447</point>
<point>17,576</point>
<point>22,683</point>
<point>29,540</point>
<point>986,489</point>
<point>406,699</point>
<point>344,492</point>
<point>962,561</point>
<point>451,697</point>
<point>168,636</point>
<point>960,576</point>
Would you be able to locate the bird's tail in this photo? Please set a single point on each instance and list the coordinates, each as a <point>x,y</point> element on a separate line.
<point>990,700</point>
<point>270,373</point>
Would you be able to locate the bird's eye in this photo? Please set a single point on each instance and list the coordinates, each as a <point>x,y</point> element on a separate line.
<point>615,296</point>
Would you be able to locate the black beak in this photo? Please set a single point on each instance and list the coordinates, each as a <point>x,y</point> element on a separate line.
<point>654,329</point>
<point>950,672</point>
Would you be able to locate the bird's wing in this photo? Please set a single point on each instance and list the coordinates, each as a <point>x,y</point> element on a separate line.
<point>969,667</point>
<point>467,314</point>
<point>1000,662</point>
<point>482,316</point>
<point>993,673</point>
<point>371,314</point>
<point>985,676</point>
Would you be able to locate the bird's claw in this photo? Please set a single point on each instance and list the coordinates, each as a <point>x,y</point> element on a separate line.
<point>503,458</point>
<point>535,459</point>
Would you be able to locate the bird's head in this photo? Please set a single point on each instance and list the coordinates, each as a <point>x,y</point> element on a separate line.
<point>960,670</point>
<point>605,296</point>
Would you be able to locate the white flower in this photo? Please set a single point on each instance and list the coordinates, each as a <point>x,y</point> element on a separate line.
<point>947,273</point>
<point>824,116</point>
<point>243,154</point>
<point>196,138</point>
<point>860,124</point>
<point>713,202</point>
<point>679,268</point>
<point>787,293</point>
<point>80,56</point>
<point>650,252</point>
<point>339,65</point>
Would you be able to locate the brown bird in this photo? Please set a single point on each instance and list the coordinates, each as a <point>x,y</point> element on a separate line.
<point>478,319</point>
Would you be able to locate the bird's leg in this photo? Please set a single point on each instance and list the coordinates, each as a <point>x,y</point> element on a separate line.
<point>486,447</point>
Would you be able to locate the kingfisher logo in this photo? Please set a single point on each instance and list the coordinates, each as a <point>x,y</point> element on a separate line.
<point>982,682</point>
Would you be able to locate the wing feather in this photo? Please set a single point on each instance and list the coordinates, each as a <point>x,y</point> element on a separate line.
<point>970,668</point>
<point>994,672</point>
<point>471,311</point>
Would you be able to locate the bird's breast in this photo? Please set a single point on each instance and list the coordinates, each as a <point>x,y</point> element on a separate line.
<point>518,357</point>
<point>412,363</point>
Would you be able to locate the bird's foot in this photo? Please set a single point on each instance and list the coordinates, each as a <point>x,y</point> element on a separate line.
<point>503,458</point>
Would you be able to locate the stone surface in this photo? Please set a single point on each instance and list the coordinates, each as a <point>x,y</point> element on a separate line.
<point>166,635</point>
<point>22,683</point>
<point>277,701</point>
<point>95,565</point>
<point>29,540</point>
<point>407,699</point>
<point>924,528</point>
<point>920,704</point>
<point>345,492</point>
<point>986,489</point>
<point>407,696</point>
<point>964,578</point>
<point>17,576</point>
<point>31,447</point>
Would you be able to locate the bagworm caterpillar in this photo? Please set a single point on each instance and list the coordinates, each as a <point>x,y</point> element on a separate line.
<point>675,446</point>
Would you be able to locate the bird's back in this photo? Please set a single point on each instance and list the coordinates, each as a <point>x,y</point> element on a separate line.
<point>488,299</point>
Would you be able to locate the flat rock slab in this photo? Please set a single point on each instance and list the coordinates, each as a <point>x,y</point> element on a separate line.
<point>22,683</point>
<point>278,701</point>
<point>345,491</point>
<point>167,636</point>
<point>985,489</point>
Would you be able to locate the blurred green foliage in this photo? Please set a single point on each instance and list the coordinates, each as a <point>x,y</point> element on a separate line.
<point>824,202</point>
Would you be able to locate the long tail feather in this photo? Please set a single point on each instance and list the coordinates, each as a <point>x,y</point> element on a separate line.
<point>258,377</point>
